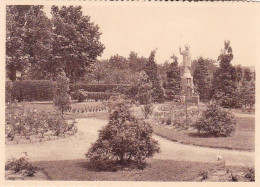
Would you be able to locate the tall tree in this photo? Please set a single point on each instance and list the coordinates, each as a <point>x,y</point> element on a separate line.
<point>224,81</point>
<point>28,39</point>
<point>201,79</point>
<point>173,84</point>
<point>76,42</point>
<point>136,64</point>
<point>151,70</point>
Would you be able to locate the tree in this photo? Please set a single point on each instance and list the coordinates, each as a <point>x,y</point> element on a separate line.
<point>247,89</point>
<point>173,78</point>
<point>28,40</point>
<point>136,64</point>
<point>124,140</point>
<point>61,98</point>
<point>76,42</point>
<point>151,71</point>
<point>201,79</point>
<point>224,80</point>
<point>118,62</point>
<point>144,89</point>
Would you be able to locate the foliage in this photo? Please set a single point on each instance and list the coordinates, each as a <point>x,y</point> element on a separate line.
<point>201,79</point>
<point>246,89</point>
<point>9,91</point>
<point>30,90</point>
<point>223,83</point>
<point>81,95</point>
<point>27,124</point>
<point>158,93</point>
<point>61,98</point>
<point>216,121</point>
<point>124,140</point>
<point>28,40</point>
<point>144,89</point>
<point>250,174</point>
<point>99,87</point>
<point>76,42</point>
<point>21,164</point>
<point>173,79</point>
<point>147,110</point>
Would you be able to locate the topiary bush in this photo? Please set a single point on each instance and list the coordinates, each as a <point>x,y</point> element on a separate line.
<point>62,99</point>
<point>216,121</point>
<point>123,141</point>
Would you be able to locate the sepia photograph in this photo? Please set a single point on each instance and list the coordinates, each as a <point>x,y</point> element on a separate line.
<point>120,91</point>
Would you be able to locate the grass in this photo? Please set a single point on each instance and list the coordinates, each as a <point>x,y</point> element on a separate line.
<point>242,139</point>
<point>156,170</point>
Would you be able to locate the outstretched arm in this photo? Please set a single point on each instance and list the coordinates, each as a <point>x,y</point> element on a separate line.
<point>180,50</point>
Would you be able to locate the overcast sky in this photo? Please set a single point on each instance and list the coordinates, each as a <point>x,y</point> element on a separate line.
<point>144,28</point>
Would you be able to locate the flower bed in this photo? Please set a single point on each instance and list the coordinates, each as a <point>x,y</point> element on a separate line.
<point>29,126</point>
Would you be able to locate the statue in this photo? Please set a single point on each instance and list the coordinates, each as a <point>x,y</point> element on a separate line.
<point>186,56</point>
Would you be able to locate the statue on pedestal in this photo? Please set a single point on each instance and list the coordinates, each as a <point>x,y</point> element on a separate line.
<point>186,56</point>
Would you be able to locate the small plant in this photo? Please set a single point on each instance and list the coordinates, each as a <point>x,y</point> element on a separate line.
<point>250,174</point>
<point>168,121</point>
<point>147,110</point>
<point>216,121</point>
<point>204,175</point>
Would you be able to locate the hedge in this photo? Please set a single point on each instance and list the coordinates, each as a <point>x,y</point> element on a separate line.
<point>42,90</point>
<point>36,90</point>
<point>118,88</point>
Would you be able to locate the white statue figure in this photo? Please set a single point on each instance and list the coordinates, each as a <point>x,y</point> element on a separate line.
<point>186,56</point>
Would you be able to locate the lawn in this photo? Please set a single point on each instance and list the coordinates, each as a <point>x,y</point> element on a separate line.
<point>242,139</point>
<point>156,170</point>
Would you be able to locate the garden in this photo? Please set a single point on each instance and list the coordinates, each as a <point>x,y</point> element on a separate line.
<point>70,115</point>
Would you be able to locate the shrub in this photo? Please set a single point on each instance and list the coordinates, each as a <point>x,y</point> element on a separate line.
<point>216,121</point>
<point>124,140</point>
<point>21,164</point>
<point>61,98</point>
<point>147,110</point>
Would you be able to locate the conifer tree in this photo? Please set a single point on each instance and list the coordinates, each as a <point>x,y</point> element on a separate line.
<point>224,81</point>
<point>173,78</point>
<point>201,79</point>
<point>151,71</point>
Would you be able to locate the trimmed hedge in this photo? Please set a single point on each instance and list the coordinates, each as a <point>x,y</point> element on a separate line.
<point>118,88</point>
<point>81,95</point>
<point>43,90</point>
<point>36,90</point>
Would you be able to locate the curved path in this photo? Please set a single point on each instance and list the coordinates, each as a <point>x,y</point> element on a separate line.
<point>75,146</point>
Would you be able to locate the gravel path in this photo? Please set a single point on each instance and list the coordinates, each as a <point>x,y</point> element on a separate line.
<point>74,147</point>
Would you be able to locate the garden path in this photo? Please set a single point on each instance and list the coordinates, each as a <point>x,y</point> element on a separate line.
<point>75,146</point>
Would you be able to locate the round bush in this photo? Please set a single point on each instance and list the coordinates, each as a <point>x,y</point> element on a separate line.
<point>216,121</point>
<point>123,141</point>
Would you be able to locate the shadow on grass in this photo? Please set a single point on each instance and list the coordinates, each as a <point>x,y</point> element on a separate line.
<point>110,166</point>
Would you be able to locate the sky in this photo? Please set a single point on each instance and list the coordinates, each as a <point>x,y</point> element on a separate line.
<point>166,28</point>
